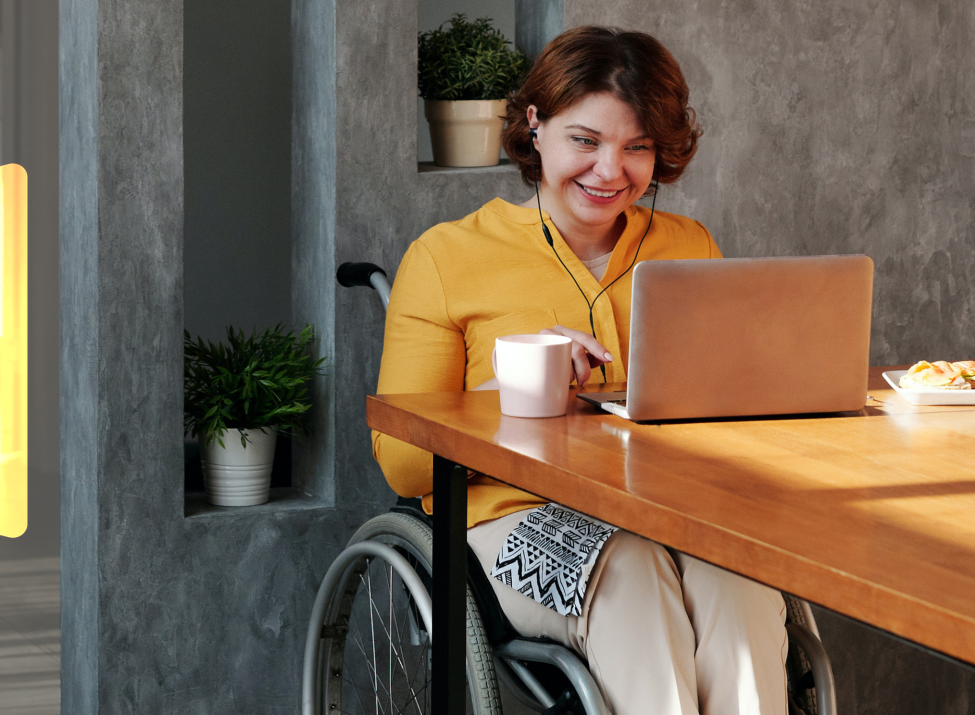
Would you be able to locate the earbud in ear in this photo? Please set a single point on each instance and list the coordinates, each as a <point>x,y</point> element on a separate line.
<point>533,132</point>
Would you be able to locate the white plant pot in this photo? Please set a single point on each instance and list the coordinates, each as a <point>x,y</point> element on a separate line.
<point>238,476</point>
<point>465,132</point>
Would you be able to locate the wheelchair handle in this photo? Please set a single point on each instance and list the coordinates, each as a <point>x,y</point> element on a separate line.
<point>368,275</point>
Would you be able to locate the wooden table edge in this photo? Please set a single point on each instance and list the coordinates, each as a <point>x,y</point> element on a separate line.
<point>929,625</point>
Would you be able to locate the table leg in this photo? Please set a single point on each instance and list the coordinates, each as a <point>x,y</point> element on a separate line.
<point>449,586</point>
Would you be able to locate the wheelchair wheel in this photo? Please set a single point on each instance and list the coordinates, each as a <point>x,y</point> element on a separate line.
<point>373,644</point>
<point>811,688</point>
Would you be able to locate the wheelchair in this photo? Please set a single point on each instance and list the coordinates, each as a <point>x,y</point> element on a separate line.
<point>368,644</point>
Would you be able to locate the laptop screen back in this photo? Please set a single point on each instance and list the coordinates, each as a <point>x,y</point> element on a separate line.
<point>749,336</point>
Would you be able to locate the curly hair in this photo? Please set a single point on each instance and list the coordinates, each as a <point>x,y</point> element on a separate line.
<point>632,66</point>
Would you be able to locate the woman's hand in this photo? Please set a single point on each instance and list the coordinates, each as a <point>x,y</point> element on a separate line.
<point>587,352</point>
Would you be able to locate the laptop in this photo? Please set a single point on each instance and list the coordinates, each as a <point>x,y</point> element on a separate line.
<point>734,337</point>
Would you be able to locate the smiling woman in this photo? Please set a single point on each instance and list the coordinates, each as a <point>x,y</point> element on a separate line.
<point>601,116</point>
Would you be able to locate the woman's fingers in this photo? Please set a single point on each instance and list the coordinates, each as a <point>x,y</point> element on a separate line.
<point>587,352</point>
<point>596,350</point>
<point>580,365</point>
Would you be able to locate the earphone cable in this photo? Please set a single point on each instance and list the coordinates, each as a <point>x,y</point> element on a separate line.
<point>551,243</point>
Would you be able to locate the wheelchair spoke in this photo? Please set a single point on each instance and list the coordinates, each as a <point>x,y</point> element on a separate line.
<point>372,629</point>
<point>355,689</point>
<point>396,681</point>
<point>369,666</point>
<point>400,653</point>
<point>390,664</point>
<point>420,662</point>
<point>399,638</point>
<point>423,690</point>
<point>392,704</point>
<point>371,653</point>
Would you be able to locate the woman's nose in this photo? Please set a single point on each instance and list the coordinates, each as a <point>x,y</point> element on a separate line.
<point>609,165</point>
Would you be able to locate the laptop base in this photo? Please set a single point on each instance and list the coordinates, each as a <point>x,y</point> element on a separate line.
<point>613,402</point>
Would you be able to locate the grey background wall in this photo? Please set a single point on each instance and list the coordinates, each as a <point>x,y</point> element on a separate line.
<point>832,128</point>
<point>237,165</point>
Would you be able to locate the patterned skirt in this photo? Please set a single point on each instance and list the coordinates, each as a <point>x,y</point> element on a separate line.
<point>550,555</point>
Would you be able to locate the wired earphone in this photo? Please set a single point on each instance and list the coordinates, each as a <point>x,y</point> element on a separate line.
<point>532,134</point>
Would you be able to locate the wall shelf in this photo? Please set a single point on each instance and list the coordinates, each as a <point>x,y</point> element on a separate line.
<point>283,499</point>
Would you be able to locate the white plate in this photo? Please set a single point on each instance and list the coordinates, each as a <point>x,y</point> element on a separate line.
<point>929,397</point>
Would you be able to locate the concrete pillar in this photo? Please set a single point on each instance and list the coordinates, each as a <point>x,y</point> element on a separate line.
<point>79,355</point>
<point>313,192</point>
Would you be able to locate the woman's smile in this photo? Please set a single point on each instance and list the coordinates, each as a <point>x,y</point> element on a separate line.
<point>599,195</point>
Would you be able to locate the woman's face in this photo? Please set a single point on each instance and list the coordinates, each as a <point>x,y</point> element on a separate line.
<point>596,161</point>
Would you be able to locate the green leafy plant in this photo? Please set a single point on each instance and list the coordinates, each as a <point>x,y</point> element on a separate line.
<point>471,60</point>
<point>252,382</point>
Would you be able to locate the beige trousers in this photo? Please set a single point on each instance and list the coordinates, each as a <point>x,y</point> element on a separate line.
<point>663,632</point>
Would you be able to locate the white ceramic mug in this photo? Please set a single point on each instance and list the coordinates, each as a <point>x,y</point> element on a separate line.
<point>533,374</point>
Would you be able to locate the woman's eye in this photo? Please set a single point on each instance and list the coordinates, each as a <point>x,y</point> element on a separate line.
<point>584,141</point>
<point>640,147</point>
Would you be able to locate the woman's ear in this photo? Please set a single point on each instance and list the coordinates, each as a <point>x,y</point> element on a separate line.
<point>532,118</point>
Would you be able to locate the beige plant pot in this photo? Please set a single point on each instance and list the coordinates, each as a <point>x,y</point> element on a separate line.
<point>465,132</point>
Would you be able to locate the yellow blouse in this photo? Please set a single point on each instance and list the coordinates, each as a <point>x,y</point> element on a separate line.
<point>464,283</point>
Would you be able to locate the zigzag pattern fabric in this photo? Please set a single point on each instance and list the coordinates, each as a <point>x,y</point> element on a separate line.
<point>550,554</point>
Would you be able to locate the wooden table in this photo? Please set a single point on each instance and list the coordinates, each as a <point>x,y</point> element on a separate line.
<point>871,513</point>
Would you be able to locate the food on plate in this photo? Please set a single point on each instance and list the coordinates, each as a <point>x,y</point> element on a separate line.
<point>967,370</point>
<point>940,375</point>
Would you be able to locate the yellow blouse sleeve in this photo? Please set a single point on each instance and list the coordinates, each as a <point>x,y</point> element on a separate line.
<point>423,351</point>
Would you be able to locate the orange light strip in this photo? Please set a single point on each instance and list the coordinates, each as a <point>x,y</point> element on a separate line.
<point>13,351</point>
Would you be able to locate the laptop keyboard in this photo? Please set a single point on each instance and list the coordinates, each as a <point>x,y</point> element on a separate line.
<point>621,403</point>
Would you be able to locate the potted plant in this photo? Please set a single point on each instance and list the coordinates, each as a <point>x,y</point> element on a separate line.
<point>465,75</point>
<point>256,385</point>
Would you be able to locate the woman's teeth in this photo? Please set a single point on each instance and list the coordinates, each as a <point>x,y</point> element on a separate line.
<point>600,194</point>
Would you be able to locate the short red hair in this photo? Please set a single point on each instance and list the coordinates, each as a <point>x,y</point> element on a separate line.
<point>632,66</point>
